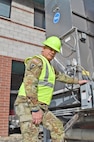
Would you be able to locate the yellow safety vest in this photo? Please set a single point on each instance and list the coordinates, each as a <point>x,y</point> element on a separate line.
<point>45,84</point>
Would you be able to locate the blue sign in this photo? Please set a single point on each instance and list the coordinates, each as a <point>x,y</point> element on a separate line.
<point>56,17</point>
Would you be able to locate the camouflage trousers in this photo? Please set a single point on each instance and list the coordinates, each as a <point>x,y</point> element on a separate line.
<point>30,131</point>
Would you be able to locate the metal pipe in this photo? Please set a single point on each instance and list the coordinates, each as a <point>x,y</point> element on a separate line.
<point>78,53</point>
<point>80,134</point>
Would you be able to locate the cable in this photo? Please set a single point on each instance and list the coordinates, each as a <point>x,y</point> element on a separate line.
<point>85,72</point>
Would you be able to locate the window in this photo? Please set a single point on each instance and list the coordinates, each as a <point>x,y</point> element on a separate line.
<point>39,18</point>
<point>17,74</point>
<point>5,7</point>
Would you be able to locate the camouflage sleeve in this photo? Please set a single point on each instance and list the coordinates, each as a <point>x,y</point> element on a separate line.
<point>66,79</point>
<point>32,73</point>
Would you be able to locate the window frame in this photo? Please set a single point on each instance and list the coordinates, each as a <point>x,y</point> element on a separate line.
<point>6,3</point>
<point>43,19</point>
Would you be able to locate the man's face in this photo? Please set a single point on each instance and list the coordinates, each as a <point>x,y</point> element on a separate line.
<point>48,53</point>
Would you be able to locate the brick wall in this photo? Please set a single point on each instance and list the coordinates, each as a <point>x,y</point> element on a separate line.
<point>5,79</point>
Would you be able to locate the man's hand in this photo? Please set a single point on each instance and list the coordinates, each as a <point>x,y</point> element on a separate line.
<point>37,117</point>
<point>82,81</point>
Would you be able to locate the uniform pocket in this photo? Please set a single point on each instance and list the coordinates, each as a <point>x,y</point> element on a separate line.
<point>23,112</point>
<point>22,109</point>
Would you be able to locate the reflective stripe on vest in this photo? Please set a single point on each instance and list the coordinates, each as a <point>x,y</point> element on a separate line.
<point>46,82</point>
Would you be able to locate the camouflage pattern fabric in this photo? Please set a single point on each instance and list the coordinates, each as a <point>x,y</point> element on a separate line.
<point>52,123</point>
<point>30,131</point>
<point>66,79</point>
<point>32,73</point>
<point>23,105</point>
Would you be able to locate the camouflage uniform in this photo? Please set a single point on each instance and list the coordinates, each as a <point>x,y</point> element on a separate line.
<point>24,105</point>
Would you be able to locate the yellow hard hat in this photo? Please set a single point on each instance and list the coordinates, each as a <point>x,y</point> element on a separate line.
<point>53,42</point>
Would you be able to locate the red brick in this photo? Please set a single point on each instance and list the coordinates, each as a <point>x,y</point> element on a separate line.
<point>5,79</point>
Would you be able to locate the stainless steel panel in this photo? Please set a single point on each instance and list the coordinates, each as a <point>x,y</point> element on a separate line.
<point>89,9</point>
<point>58,17</point>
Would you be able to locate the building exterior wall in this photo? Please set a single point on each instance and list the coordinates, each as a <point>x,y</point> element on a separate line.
<point>17,34</point>
<point>18,39</point>
<point>5,75</point>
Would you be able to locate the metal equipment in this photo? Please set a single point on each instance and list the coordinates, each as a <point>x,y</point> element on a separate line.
<point>73,104</point>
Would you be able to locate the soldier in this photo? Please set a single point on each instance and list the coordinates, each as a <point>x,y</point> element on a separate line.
<point>36,92</point>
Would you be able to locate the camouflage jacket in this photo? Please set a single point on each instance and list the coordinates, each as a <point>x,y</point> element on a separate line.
<point>32,72</point>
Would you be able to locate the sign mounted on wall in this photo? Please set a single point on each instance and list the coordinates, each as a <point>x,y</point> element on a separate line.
<point>56,17</point>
